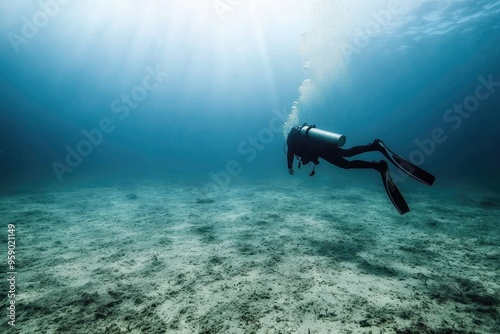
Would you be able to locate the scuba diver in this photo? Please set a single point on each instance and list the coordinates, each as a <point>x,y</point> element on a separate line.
<point>309,144</point>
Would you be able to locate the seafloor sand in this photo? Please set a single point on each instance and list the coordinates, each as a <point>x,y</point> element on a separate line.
<point>258,258</point>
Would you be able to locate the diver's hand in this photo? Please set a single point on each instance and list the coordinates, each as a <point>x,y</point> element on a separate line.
<point>290,171</point>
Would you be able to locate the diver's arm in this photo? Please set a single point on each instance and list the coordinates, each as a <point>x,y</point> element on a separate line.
<point>292,143</point>
<point>289,157</point>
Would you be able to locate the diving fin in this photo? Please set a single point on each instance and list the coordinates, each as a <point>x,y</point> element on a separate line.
<point>414,171</point>
<point>392,191</point>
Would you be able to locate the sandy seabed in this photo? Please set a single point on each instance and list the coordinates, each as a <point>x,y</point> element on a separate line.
<point>149,257</point>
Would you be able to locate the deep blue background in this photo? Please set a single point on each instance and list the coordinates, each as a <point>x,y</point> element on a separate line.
<point>225,79</point>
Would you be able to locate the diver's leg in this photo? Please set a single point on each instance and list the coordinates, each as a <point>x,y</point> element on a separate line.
<point>350,152</point>
<point>378,145</point>
<point>339,161</point>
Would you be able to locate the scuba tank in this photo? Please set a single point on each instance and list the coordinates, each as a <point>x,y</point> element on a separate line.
<point>310,131</point>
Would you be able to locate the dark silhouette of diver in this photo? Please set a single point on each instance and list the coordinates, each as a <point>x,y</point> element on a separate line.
<point>309,144</point>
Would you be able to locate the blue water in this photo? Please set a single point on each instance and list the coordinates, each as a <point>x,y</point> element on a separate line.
<point>124,124</point>
<point>227,73</point>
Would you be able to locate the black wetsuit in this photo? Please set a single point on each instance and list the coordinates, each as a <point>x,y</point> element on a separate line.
<point>310,151</point>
